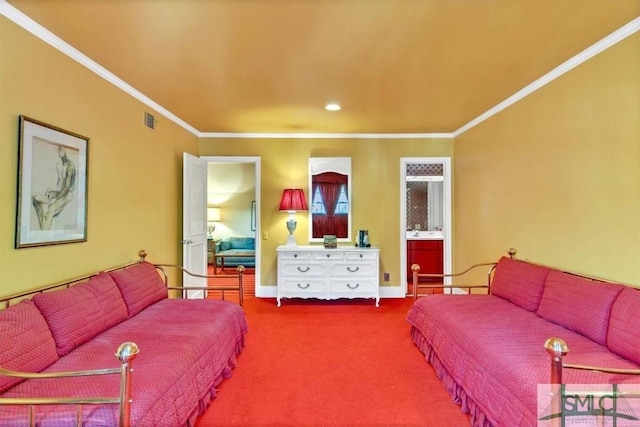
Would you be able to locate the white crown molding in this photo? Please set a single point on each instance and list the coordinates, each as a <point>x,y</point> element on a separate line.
<point>613,38</point>
<point>267,135</point>
<point>47,36</point>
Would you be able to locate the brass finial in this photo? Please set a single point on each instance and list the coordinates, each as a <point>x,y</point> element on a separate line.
<point>556,347</point>
<point>127,351</point>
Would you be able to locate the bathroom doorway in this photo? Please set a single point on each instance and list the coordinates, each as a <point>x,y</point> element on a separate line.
<point>425,212</point>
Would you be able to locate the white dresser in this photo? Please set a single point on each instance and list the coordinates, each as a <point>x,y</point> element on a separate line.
<point>316,272</point>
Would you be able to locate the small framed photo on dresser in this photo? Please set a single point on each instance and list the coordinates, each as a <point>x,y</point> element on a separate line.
<point>330,241</point>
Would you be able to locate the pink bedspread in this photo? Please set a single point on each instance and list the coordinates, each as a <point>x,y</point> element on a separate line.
<point>490,355</point>
<point>187,348</point>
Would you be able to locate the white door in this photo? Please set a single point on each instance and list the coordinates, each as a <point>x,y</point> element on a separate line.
<point>194,223</point>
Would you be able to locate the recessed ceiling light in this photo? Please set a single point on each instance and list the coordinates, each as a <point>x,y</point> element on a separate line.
<point>332,106</point>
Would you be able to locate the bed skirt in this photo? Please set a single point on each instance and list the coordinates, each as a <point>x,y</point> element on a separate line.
<point>458,395</point>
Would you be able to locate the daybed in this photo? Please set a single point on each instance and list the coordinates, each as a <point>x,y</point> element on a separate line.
<point>227,252</point>
<point>183,349</point>
<point>488,349</point>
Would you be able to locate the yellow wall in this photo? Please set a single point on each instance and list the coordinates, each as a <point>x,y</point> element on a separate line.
<point>135,174</point>
<point>557,175</point>
<point>375,169</point>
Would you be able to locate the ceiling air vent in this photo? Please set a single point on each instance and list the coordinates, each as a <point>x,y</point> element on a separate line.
<point>149,121</point>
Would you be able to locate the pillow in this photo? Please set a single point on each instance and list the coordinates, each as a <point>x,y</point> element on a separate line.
<point>225,245</point>
<point>26,343</point>
<point>114,310</point>
<point>519,282</point>
<point>623,337</point>
<point>75,315</point>
<point>140,286</point>
<point>579,304</point>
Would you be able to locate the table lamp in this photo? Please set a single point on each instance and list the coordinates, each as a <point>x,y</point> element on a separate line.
<point>292,200</point>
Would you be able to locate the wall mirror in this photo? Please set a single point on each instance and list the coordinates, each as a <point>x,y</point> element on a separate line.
<point>329,198</point>
<point>425,198</point>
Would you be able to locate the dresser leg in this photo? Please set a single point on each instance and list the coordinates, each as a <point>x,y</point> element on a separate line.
<point>377,301</point>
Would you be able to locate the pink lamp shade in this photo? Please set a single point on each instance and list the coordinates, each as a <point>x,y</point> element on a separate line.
<point>293,200</point>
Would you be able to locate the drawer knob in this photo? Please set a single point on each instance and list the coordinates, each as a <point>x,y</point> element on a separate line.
<point>305,286</point>
<point>360,255</point>
<point>352,270</point>
<point>295,255</point>
<point>355,286</point>
<point>303,270</point>
<point>328,256</point>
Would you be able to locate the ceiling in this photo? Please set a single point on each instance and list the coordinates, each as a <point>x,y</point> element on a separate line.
<point>395,66</point>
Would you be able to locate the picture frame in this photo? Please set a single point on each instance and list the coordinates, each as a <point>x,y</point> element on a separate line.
<point>330,241</point>
<point>253,216</point>
<point>52,185</point>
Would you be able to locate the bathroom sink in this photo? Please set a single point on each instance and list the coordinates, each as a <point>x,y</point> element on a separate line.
<point>424,235</point>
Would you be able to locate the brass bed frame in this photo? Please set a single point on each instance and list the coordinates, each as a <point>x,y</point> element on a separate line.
<point>556,347</point>
<point>125,353</point>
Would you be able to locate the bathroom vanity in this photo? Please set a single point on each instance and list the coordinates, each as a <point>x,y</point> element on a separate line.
<point>426,249</point>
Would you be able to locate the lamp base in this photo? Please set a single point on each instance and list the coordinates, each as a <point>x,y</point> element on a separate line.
<point>291,226</point>
<point>291,240</point>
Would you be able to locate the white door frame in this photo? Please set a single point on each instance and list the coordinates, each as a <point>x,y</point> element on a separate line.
<point>256,161</point>
<point>447,191</point>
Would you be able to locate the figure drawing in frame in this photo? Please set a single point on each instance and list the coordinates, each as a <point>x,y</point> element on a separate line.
<point>52,185</point>
<point>50,202</point>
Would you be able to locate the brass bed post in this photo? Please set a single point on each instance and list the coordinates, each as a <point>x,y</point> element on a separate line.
<point>557,349</point>
<point>240,269</point>
<point>415,268</point>
<point>126,353</point>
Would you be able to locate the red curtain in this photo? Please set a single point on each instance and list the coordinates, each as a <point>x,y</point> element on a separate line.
<point>329,185</point>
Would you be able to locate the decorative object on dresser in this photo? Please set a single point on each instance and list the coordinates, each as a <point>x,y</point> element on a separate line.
<point>316,272</point>
<point>363,239</point>
<point>292,200</point>
<point>330,241</point>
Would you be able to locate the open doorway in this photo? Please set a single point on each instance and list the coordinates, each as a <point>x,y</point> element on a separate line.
<point>233,220</point>
<point>425,212</point>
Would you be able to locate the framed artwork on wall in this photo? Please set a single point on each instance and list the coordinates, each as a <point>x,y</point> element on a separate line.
<point>52,185</point>
<point>253,216</point>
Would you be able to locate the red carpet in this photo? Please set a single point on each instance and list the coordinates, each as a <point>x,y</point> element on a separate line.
<point>331,363</point>
<point>225,278</point>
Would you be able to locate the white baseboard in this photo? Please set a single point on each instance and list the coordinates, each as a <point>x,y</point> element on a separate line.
<point>195,294</point>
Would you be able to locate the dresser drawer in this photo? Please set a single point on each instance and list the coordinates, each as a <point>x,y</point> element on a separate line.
<point>301,285</point>
<point>353,269</point>
<point>361,255</point>
<point>302,269</point>
<point>355,285</point>
<point>302,255</point>
<point>328,255</point>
